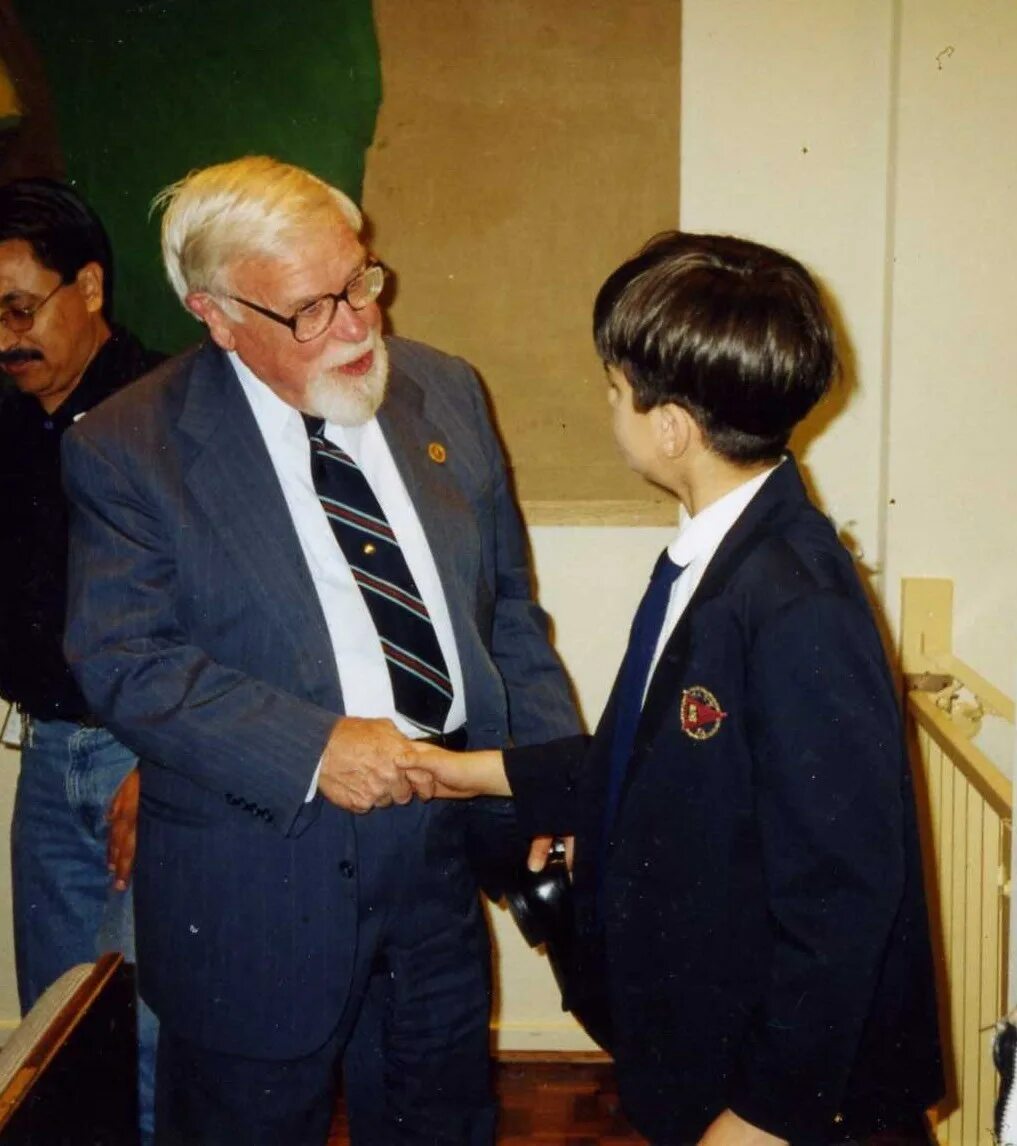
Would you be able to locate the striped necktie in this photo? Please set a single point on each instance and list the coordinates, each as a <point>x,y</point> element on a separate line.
<point>416,666</point>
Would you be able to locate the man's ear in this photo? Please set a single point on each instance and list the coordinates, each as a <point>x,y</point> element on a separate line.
<point>676,430</point>
<point>207,310</point>
<point>90,281</point>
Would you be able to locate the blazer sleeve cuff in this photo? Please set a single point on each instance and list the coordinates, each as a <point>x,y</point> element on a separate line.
<point>542,778</point>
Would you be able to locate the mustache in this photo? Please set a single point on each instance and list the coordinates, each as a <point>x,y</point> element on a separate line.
<point>352,355</point>
<point>13,357</point>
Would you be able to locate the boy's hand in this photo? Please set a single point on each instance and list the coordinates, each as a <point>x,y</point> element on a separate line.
<point>728,1129</point>
<point>540,849</point>
<point>453,775</point>
<point>122,817</point>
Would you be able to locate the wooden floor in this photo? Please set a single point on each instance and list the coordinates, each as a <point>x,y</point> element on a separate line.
<point>550,1104</point>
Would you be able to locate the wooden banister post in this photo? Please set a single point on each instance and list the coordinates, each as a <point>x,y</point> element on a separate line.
<point>926,623</point>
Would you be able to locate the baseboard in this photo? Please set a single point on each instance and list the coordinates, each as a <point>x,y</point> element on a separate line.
<point>551,1056</point>
<point>539,1036</point>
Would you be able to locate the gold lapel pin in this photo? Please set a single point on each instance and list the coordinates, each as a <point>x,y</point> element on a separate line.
<point>437,453</point>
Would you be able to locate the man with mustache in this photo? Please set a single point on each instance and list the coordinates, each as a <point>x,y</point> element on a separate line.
<point>60,355</point>
<point>293,548</point>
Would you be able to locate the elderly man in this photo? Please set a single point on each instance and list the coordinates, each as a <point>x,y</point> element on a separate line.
<point>293,547</point>
<point>61,354</point>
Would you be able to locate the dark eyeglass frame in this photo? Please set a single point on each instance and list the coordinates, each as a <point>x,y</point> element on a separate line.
<point>24,320</point>
<point>293,320</point>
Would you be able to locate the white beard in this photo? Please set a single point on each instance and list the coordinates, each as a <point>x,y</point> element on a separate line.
<point>348,400</point>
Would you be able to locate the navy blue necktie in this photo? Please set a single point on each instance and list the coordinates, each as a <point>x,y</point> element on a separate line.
<point>635,671</point>
<point>416,666</point>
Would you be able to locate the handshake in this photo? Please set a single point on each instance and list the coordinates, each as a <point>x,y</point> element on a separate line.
<point>369,763</point>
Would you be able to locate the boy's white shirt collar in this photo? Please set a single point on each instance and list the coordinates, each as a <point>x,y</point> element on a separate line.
<point>699,537</point>
<point>698,540</point>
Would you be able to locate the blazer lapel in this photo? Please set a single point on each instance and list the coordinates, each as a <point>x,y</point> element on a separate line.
<point>232,478</point>
<point>781,494</point>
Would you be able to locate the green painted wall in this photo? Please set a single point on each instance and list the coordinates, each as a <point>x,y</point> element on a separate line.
<point>148,89</point>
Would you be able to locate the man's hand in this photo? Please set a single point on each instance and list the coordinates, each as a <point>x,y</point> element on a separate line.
<point>358,770</point>
<point>122,817</point>
<point>728,1129</point>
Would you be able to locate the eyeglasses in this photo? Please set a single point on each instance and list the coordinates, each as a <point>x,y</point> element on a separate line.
<point>20,319</point>
<point>311,321</point>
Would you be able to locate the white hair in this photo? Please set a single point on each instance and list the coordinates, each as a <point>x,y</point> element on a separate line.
<point>215,216</point>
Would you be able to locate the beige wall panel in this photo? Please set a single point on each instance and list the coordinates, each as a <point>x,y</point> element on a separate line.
<point>953,408</point>
<point>784,138</point>
<point>524,148</point>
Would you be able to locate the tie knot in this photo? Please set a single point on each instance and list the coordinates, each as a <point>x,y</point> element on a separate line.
<point>314,426</point>
<point>666,572</point>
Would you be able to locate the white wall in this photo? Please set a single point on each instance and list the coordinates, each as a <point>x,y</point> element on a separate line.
<point>875,140</point>
<point>785,138</point>
<point>952,460</point>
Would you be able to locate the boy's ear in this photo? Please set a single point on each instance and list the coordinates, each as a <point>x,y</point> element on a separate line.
<point>676,430</point>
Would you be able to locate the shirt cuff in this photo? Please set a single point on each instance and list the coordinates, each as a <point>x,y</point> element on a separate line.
<point>312,791</point>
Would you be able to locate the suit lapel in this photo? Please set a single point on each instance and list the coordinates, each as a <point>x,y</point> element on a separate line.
<point>233,480</point>
<point>420,450</point>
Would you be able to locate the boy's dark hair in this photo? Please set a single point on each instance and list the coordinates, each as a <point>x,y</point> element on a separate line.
<point>62,230</point>
<point>732,331</point>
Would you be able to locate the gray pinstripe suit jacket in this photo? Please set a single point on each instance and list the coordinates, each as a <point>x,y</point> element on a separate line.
<point>197,636</point>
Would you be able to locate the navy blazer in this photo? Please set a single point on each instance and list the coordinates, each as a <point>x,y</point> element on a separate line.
<point>197,636</point>
<point>758,923</point>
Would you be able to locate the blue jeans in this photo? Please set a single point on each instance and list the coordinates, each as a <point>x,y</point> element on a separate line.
<point>65,908</point>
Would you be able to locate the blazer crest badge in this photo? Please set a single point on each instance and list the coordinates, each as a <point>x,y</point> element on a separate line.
<point>700,713</point>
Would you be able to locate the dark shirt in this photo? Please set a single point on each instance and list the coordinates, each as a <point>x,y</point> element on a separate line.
<point>33,532</point>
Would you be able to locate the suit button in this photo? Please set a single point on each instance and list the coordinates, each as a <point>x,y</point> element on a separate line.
<point>347,869</point>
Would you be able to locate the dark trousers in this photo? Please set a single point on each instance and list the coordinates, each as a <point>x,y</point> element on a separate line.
<point>412,1048</point>
<point>915,1133</point>
<point>911,1132</point>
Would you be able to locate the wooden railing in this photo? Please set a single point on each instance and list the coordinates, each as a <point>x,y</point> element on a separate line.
<point>966,804</point>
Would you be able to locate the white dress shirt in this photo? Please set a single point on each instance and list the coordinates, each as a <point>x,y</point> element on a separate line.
<point>698,540</point>
<point>363,672</point>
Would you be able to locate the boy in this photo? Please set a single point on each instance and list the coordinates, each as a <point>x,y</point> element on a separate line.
<point>747,877</point>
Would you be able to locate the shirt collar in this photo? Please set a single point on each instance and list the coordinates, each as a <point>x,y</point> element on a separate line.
<point>275,417</point>
<point>700,536</point>
<point>279,421</point>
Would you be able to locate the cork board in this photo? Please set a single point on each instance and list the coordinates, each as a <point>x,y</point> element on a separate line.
<point>523,149</point>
